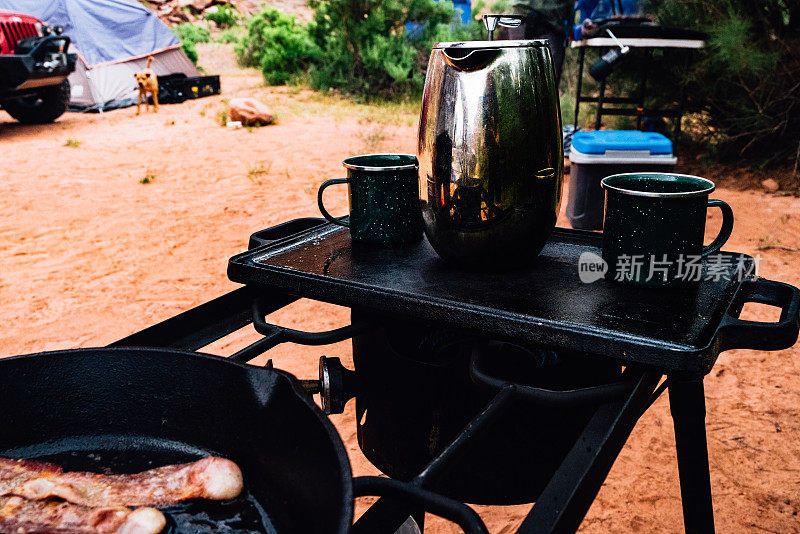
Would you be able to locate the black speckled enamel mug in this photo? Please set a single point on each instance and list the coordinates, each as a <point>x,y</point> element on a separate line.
<point>654,227</point>
<point>384,198</point>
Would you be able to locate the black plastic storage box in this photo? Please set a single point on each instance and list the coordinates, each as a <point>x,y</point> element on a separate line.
<point>595,155</point>
<point>172,88</point>
<point>201,86</point>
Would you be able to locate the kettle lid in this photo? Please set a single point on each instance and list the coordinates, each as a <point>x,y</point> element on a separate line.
<point>488,45</point>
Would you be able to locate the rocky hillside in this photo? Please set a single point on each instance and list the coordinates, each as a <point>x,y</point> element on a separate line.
<point>177,11</point>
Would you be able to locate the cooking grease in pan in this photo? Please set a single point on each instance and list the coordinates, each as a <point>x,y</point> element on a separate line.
<point>242,515</point>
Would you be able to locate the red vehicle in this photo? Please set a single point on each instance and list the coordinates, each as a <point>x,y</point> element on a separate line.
<point>34,65</point>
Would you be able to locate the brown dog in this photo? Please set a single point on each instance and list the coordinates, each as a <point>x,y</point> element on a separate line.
<point>148,83</point>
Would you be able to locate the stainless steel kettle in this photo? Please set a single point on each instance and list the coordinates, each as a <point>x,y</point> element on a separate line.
<point>490,154</point>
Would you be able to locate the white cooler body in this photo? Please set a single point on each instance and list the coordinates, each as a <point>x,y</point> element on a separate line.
<point>595,155</point>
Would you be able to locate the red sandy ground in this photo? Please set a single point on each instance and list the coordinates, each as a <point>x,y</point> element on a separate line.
<point>89,255</point>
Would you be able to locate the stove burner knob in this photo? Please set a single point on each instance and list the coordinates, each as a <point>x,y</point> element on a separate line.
<point>311,387</point>
<point>337,385</point>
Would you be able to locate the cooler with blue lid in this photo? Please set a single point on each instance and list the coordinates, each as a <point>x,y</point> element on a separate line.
<point>595,155</point>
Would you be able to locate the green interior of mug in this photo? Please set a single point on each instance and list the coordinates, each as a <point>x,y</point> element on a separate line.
<point>381,161</point>
<point>658,184</point>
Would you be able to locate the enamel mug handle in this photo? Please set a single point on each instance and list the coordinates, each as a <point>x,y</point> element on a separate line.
<point>725,231</point>
<point>322,209</point>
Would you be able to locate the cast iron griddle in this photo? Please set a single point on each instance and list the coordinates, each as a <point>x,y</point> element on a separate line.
<point>675,330</point>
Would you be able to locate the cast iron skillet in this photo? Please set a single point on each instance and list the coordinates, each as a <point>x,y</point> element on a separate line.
<point>129,409</point>
<point>124,410</point>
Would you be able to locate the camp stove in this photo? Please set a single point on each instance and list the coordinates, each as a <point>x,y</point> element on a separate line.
<point>494,389</point>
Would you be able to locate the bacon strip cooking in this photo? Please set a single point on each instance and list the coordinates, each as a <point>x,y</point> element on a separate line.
<point>209,478</point>
<point>21,516</point>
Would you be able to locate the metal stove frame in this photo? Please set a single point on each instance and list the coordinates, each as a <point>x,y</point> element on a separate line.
<point>569,493</point>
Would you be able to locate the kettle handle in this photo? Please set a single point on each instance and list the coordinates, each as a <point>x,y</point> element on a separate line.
<point>465,59</point>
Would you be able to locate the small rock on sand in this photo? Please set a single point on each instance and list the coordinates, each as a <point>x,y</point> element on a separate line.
<point>250,112</point>
<point>770,185</point>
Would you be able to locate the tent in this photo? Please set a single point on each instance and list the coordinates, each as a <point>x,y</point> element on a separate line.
<point>113,39</point>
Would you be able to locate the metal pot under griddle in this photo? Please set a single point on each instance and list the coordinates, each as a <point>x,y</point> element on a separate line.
<point>124,410</point>
<point>416,394</point>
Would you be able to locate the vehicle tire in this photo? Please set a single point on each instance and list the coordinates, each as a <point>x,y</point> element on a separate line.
<point>48,104</point>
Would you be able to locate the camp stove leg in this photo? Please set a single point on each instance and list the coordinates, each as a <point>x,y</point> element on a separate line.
<point>569,494</point>
<point>688,406</point>
<point>687,62</point>
<point>581,56</point>
<point>598,121</point>
<point>419,517</point>
<point>648,58</point>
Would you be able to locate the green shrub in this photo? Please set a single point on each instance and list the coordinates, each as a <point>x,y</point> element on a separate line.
<point>366,49</point>
<point>356,46</point>
<point>229,36</point>
<point>277,44</point>
<point>224,16</point>
<point>191,51</point>
<point>191,34</point>
<point>745,86</point>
